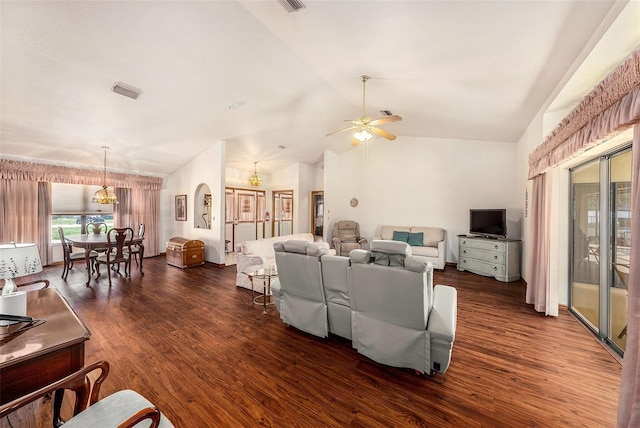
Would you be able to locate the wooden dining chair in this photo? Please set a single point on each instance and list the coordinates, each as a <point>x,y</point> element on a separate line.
<point>125,408</point>
<point>135,249</point>
<point>118,251</point>
<point>97,227</point>
<point>69,256</point>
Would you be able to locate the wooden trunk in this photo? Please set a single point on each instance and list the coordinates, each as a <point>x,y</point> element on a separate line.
<point>183,253</point>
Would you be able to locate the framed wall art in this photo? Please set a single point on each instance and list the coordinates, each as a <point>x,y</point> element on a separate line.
<point>181,207</point>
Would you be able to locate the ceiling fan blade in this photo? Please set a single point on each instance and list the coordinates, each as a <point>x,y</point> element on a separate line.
<point>342,130</point>
<point>386,119</point>
<point>381,132</point>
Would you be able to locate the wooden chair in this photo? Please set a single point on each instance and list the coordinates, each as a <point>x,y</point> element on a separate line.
<point>118,251</point>
<point>69,256</point>
<point>135,249</point>
<point>97,228</point>
<point>124,408</point>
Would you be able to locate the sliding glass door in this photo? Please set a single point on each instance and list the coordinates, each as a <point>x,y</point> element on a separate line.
<point>600,242</point>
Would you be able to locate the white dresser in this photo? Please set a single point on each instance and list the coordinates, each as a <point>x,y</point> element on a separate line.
<point>499,258</point>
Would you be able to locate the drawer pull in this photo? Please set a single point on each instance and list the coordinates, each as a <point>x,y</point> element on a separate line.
<point>464,251</point>
<point>495,247</point>
<point>464,242</point>
<point>495,268</point>
<point>495,257</point>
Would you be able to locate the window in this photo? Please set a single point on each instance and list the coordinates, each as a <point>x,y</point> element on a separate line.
<point>73,210</point>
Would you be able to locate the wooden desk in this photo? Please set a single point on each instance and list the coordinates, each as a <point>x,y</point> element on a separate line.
<point>91,241</point>
<point>45,353</point>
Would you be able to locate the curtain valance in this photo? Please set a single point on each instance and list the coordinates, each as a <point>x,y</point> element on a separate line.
<point>612,106</point>
<point>29,171</point>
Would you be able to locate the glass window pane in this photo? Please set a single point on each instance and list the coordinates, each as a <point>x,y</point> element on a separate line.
<point>70,223</point>
<point>586,242</point>
<point>620,172</point>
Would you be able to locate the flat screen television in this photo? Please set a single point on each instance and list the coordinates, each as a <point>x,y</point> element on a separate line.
<point>490,223</point>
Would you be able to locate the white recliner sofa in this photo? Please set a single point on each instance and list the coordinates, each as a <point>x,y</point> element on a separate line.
<point>429,242</point>
<point>383,300</point>
<point>398,318</point>
<point>260,252</point>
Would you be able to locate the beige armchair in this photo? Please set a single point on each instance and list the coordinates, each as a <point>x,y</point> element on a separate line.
<point>345,236</point>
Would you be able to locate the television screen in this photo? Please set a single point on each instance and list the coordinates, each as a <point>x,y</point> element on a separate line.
<point>488,222</point>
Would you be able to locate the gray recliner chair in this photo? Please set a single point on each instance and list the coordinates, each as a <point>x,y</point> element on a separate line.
<point>298,292</point>
<point>398,318</point>
<point>336,291</point>
<point>345,236</point>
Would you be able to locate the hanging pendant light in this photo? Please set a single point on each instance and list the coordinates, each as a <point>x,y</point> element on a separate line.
<point>255,180</point>
<point>105,196</point>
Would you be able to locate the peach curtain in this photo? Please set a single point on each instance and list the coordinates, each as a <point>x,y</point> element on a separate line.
<point>19,214</point>
<point>629,403</point>
<point>29,171</point>
<point>140,206</point>
<point>44,222</point>
<point>538,293</point>
<point>609,108</point>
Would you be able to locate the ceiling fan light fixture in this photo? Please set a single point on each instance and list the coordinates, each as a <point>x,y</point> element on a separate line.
<point>363,135</point>
<point>255,180</point>
<point>366,128</point>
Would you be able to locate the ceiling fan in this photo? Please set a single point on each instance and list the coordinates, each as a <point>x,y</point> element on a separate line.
<point>365,126</point>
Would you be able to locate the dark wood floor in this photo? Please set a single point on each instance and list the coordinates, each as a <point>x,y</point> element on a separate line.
<point>190,341</point>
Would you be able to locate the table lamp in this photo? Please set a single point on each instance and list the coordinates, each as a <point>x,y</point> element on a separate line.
<point>17,260</point>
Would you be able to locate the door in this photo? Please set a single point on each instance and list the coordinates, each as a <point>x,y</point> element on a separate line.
<point>317,213</point>
<point>601,240</point>
<point>245,213</point>
<point>282,204</point>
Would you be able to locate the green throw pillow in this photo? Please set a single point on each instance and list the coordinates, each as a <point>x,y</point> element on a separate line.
<point>400,236</point>
<point>415,239</point>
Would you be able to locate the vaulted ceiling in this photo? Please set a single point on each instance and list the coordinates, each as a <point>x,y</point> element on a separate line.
<point>270,83</point>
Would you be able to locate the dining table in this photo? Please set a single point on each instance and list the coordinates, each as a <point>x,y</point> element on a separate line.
<point>93,241</point>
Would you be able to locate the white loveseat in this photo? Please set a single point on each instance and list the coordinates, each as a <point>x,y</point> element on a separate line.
<point>260,252</point>
<point>433,245</point>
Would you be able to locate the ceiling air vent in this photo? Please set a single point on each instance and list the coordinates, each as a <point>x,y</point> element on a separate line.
<point>126,90</point>
<point>292,5</point>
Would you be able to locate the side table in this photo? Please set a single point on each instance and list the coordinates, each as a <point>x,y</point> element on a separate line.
<point>264,273</point>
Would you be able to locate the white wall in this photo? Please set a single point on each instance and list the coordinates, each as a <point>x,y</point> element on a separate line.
<point>422,182</point>
<point>207,168</point>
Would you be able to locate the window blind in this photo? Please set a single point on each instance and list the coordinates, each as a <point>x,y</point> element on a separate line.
<point>76,199</point>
